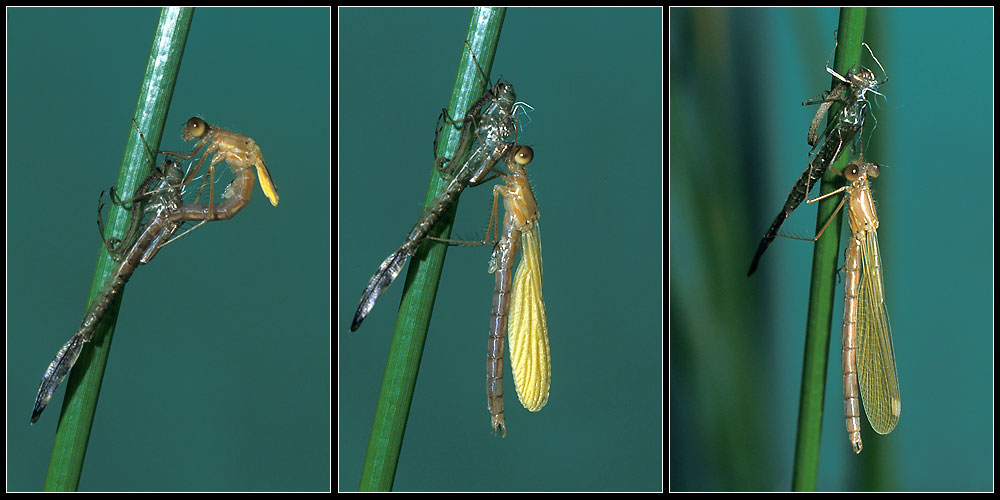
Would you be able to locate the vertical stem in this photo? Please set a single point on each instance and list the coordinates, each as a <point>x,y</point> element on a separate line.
<point>420,288</point>
<point>850,34</point>
<point>84,383</point>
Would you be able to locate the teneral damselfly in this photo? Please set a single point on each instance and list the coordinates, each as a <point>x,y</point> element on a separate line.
<point>867,355</point>
<point>518,305</point>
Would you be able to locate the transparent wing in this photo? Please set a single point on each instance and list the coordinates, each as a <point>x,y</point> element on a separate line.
<point>876,362</point>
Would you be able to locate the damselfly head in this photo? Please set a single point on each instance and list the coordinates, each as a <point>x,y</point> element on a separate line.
<point>856,169</point>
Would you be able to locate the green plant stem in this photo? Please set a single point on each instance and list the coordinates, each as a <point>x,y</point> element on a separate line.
<point>84,383</point>
<point>422,279</point>
<point>850,34</point>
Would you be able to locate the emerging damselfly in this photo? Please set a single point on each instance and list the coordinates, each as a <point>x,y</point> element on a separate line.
<point>841,135</point>
<point>491,120</point>
<point>161,194</point>
<point>867,355</point>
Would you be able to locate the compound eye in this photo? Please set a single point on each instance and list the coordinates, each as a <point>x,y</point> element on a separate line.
<point>195,127</point>
<point>852,172</point>
<point>524,155</point>
<point>874,169</point>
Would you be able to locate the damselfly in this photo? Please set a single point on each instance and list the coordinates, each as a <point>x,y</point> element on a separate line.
<point>867,355</point>
<point>518,307</point>
<point>242,155</point>
<point>161,194</point>
<point>841,135</point>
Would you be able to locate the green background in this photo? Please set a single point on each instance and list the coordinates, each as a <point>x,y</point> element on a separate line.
<point>219,374</point>
<point>738,77</point>
<point>594,77</point>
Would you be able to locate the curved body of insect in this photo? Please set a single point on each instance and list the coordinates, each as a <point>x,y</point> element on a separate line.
<point>242,155</point>
<point>236,196</point>
<point>518,310</point>
<point>165,198</point>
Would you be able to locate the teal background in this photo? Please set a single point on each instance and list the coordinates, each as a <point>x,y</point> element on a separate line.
<point>219,373</point>
<point>738,77</point>
<point>594,77</point>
